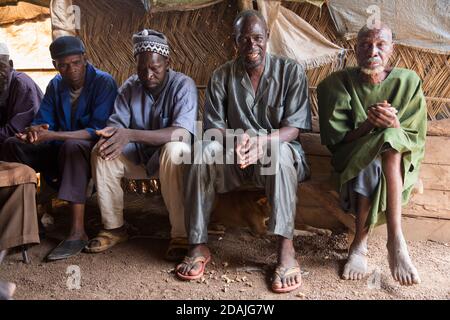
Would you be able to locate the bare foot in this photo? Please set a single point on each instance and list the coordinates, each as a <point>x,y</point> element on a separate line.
<point>400,263</point>
<point>193,269</point>
<point>287,275</point>
<point>356,266</point>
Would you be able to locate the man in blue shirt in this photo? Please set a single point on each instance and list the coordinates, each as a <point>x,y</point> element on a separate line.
<point>58,144</point>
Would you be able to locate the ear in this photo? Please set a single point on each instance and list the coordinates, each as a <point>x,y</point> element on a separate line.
<point>234,35</point>
<point>168,63</point>
<point>11,64</point>
<point>85,58</point>
<point>54,64</point>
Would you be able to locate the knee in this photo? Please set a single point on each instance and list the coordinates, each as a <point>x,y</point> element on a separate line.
<point>11,142</point>
<point>95,155</point>
<point>9,146</point>
<point>212,151</point>
<point>285,155</point>
<point>71,145</point>
<point>391,157</point>
<point>177,152</point>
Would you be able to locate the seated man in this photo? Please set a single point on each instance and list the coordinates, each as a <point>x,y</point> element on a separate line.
<point>154,107</point>
<point>373,120</point>
<point>58,144</point>
<point>20,98</point>
<point>18,215</point>
<point>263,99</point>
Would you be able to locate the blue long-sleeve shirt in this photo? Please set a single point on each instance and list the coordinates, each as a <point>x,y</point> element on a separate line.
<point>94,106</point>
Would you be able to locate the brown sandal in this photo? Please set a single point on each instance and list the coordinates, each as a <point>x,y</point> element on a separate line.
<point>105,239</point>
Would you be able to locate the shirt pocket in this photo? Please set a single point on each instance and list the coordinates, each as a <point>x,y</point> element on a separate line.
<point>275,115</point>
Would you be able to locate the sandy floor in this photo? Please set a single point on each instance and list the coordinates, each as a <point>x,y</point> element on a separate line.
<point>240,268</point>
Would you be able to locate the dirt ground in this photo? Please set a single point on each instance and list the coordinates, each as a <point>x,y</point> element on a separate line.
<point>240,268</point>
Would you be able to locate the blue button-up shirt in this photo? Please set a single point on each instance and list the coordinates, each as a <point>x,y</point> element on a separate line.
<point>94,106</point>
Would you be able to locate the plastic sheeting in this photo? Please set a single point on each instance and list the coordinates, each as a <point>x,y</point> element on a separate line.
<point>293,37</point>
<point>422,24</point>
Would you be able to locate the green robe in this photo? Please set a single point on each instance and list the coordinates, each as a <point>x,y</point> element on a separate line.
<point>343,102</point>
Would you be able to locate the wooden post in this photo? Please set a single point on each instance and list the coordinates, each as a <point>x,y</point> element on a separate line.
<point>245,5</point>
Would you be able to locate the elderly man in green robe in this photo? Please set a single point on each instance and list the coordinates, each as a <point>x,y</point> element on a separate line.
<point>373,120</point>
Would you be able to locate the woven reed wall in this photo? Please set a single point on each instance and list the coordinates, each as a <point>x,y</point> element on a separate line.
<point>201,41</point>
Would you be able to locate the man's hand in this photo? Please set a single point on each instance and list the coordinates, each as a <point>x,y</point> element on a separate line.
<point>383,115</point>
<point>249,149</point>
<point>112,141</point>
<point>35,134</point>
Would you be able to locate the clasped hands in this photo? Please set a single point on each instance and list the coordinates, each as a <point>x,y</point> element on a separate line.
<point>383,115</point>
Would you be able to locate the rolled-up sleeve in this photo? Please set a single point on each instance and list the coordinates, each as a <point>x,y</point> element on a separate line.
<point>121,115</point>
<point>215,102</point>
<point>186,106</point>
<point>334,111</point>
<point>24,103</point>
<point>47,110</point>
<point>297,110</point>
<point>103,105</point>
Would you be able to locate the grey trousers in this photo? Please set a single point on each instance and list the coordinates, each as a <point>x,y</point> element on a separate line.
<point>365,183</point>
<point>202,181</point>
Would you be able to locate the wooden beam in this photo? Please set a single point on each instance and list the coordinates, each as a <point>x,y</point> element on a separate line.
<point>329,202</point>
<point>245,5</point>
<point>439,128</point>
<point>436,150</point>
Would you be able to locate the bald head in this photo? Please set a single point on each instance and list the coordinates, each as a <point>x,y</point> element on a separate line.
<point>371,31</point>
<point>374,48</point>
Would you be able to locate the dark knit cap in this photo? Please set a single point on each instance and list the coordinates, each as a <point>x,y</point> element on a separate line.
<point>66,46</point>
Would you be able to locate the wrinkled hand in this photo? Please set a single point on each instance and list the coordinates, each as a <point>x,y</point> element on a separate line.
<point>35,134</point>
<point>249,150</point>
<point>112,141</point>
<point>383,115</point>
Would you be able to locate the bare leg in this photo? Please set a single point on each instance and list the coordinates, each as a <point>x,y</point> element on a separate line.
<point>400,263</point>
<point>286,260</point>
<point>77,231</point>
<point>356,266</point>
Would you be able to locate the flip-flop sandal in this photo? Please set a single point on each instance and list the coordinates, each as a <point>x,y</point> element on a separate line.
<point>191,261</point>
<point>66,249</point>
<point>282,273</point>
<point>178,248</point>
<point>105,240</point>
